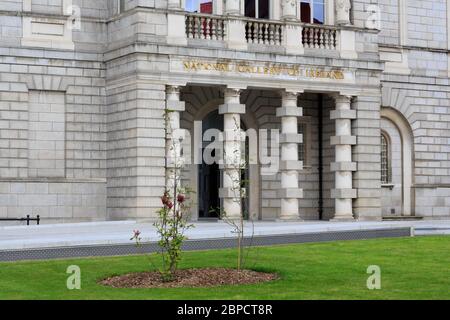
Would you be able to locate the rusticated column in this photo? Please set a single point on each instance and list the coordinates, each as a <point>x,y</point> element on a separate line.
<point>343,166</point>
<point>231,192</point>
<point>290,165</point>
<point>174,159</point>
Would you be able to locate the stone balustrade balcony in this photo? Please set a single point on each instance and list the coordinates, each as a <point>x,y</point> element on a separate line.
<point>205,27</point>
<point>248,34</point>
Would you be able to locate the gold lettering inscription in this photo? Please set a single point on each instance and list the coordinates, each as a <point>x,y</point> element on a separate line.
<point>198,66</point>
<point>268,69</point>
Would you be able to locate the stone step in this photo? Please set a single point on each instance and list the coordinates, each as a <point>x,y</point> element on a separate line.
<point>402,218</point>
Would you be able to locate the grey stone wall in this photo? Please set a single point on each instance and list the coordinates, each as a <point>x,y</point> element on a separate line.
<point>55,202</point>
<point>111,86</point>
<point>136,149</point>
<point>422,98</point>
<point>11,5</point>
<point>367,155</point>
<point>427,23</point>
<point>390,15</point>
<point>329,130</point>
<point>52,131</point>
<point>424,102</point>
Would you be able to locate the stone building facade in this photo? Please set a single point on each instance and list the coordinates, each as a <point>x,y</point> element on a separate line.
<point>358,92</point>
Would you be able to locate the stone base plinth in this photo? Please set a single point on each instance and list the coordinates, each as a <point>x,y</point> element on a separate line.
<point>343,219</point>
<point>293,219</point>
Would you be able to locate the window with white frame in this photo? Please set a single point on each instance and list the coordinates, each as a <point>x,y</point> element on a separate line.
<point>199,6</point>
<point>385,160</point>
<point>259,9</point>
<point>312,11</point>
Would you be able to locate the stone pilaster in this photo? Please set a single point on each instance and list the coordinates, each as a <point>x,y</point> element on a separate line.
<point>290,165</point>
<point>343,12</point>
<point>289,9</point>
<point>231,192</point>
<point>174,5</point>
<point>136,150</point>
<point>174,160</point>
<point>367,154</point>
<point>343,166</point>
<point>233,7</point>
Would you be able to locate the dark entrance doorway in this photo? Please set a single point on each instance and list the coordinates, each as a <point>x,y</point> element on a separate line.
<point>210,175</point>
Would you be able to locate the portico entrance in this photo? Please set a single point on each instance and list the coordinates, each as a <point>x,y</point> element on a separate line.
<point>292,143</point>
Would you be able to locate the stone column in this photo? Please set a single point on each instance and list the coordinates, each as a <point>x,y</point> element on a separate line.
<point>290,165</point>
<point>343,166</point>
<point>231,192</point>
<point>174,138</point>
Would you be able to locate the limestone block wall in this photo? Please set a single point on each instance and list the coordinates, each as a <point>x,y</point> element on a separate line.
<point>47,134</point>
<point>367,155</point>
<point>94,9</point>
<point>11,5</point>
<point>309,176</point>
<point>424,103</point>
<point>10,30</point>
<point>125,129</point>
<point>329,130</point>
<point>136,149</point>
<point>144,26</point>
<point>264,108</point>
<point>46,6</point>
<point>424,63</point>
<point>433,202</point>
<point>390,22</point>
<point>52,137</point>
<point>422,100</point>
<point>427,23</point>
<point>360,12</point>
<point>131,4</point>
<point>55,202</point>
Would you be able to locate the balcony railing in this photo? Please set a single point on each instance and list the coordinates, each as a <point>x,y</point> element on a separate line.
<point>262,32</point>
<point>205,27</point>
<point>320,37</point>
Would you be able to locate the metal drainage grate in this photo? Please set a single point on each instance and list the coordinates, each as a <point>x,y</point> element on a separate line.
<point>194,245</point>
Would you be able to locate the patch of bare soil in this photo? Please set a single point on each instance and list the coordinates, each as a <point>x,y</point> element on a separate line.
<point>191,278</point>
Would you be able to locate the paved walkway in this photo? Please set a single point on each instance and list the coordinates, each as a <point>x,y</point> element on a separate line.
<point>113,233</point>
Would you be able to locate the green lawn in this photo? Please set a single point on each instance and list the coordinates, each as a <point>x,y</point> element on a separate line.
<point>412,268</point>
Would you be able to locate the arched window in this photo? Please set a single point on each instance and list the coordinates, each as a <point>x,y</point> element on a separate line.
<point>385,160</point>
